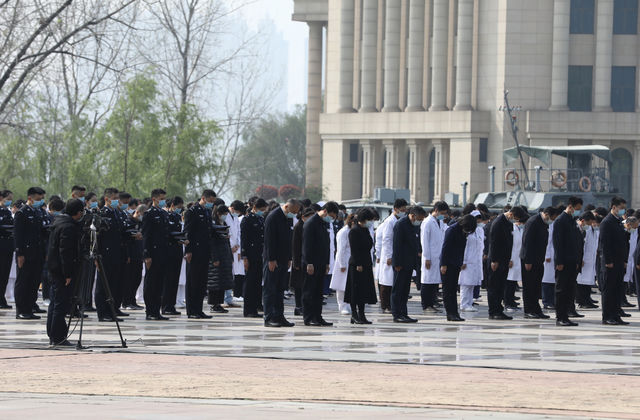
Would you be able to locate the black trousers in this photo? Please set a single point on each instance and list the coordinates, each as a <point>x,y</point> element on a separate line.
<point>428,295</point>
<point>532,287</point>
<point>132,280</point>
<point>297,291</point>
<point>153,281</point>
<point>312,292</point>
<point>238,285</point>
<point>215,297</point>
<point>113,272</point>
<point>385,297</point>
<point>251,286</point>
<point>172,278</point>
<point>27,282</point>
<point>583,294</point>
<point>495,288</point>
<point>565,290</point>
<point>450,290</point>
<point>400,292</point>
<point>509,298</point>
<point>612,282</point>
<point>59,307</point>
<point>275,283</point>
<point>46,283</point>
<point>196,284</point>
<point>636,279</point>
<point>6,255</point>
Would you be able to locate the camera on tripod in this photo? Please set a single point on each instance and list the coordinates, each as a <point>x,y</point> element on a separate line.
<point>99,223</point>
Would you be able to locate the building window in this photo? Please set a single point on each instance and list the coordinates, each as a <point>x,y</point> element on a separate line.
<point>580,86</point>
<point>483,150</point>
<point>353,152</point>
<point>582,13</point>
<point>625,17</point>
<point>623,89</point>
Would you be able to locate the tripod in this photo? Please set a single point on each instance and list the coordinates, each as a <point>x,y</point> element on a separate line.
<point>80,288</point>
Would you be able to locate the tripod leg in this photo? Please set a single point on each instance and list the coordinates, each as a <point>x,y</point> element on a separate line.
<point>103,277</point>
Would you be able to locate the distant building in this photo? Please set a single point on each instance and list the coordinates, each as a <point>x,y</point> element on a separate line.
<point>413,89</point>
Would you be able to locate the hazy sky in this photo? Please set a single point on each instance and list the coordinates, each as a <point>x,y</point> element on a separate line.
<point>295,33</point>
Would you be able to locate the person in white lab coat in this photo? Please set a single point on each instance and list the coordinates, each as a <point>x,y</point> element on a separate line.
<point>549,276</point>
<point>431,238</point>
<point>385,279</point>
<point>631,225</point>
<point>515,270</point>
<point>341,266</point>
<point>471,276</point>
<point>587,276</point>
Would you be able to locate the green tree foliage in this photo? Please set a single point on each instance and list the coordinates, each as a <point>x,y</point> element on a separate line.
<point>273,153</point>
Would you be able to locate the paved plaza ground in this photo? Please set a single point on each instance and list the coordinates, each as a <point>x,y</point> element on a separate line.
<point>235,367</point>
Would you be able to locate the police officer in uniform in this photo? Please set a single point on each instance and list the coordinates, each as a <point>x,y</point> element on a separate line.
<point>155,239</point>
<point>29,253</point>
<point>174,262</point>
<point>252,247</point>
<point>197,226</point>
<point>110,247</point>
<point>6,244</point>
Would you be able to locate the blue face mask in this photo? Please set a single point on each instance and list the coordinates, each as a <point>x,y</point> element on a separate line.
<point>259,213</point>
<point>291,215</point>
<point>93,205</point>
<point>208,205</point>
<point>129,211</point>
<point>38,204</point>
<point>8,203</point>
<point>577,213</point>
<point>57,213</point>
<point>369,223</point>
<point>162,203</point>
<point>622,212</point>
<point>440,217</point>
<point>114,203</point>
<point>328,219</point>
<point>81,199</point>
<point>124,206</point>
<point>177,210</point>
<point>416,222</point>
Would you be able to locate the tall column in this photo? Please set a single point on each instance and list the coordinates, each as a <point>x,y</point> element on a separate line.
<point>635,184</point>
<point>604,55</point>
<point>369,55</point>
<point>392,56</point>
<point>418,176</point>
<point>314,107</point>
<point>346,56</point>
<point>371,167</point>
<point>439,55</point>
<point>465,55</point>
<point>441,181</point>
<point>560,57</point>
<point>396,163</point>
<point>415,60</point>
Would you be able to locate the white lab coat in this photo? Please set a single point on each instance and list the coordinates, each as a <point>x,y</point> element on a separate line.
<point>515,272</point>
<point>588,274</point>
<point>431,239</point>
<point>378,248</point>
<point>332,247</point>
<point>343,253</point>
<point>234,239</point>
<point>633,242</point>
<point>549,275</point>
<point>472,274</point>
<point>386,271</point>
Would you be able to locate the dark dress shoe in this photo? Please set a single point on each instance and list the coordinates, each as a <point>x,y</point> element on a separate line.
<point>312,323</point>
<point>364,320</point>
<point>455,318</point>
<point>575,315</point>
<point>297,311</point>
<point>171,312</point>
<point>39,311</point>
<point>324,323</point>
<point>63,343</point>
<point>285,323</point>
<point>356,320</point>
<point>610,322</point>
<point>218,309</point>
<point>627,305</point>
<point>253,316</point>
<point>565,323</point>
<point>194,316</point>
<point>5,306</point>
<point>588,306</point>
<point>404,320</point>
<point>109,319</point>
<point>120,313</point>
<point>502,317</point>
<point>532,316</point>
<point>156,318</point>
<point>623,314</point>
<point>205,316</point>
<point>621,322</point>
<point>272,324</point>
<point>27,316</point>
<point>550,307</point>
<point>543,316</point>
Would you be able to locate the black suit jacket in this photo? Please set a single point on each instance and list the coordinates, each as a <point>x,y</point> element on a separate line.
<point>277,238</point>
<point>27,232</point>
<point>406,244</point>
<point>534,240</point>
<point>567,248</point>
<point>64,245</point>
<point>501,240</point>
<point>315,242</point>
<point>455,242</point>
<point>197,226</point>
<point>614,243</point>
<point>155,233</point>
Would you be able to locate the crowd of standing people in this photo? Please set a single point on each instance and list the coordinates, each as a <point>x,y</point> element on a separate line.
<point>254,254</point>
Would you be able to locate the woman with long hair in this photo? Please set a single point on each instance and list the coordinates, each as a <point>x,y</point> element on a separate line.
<point>360,288</point>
